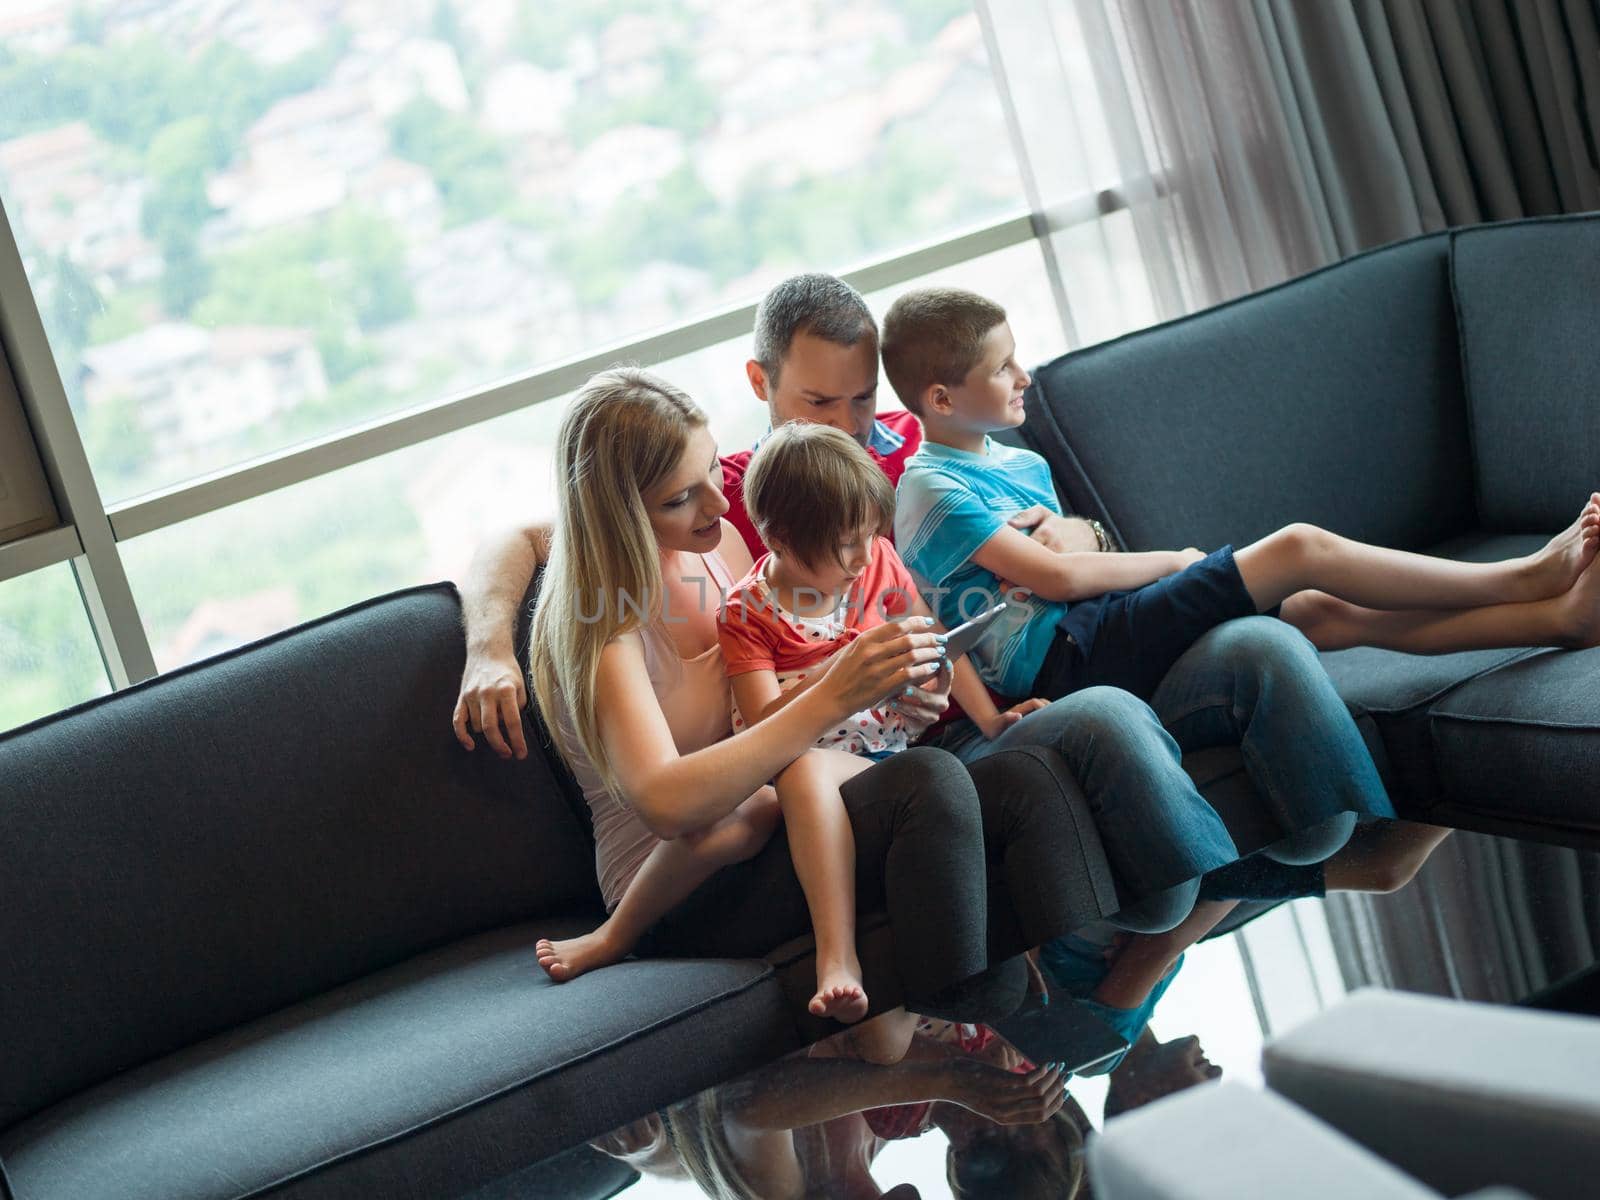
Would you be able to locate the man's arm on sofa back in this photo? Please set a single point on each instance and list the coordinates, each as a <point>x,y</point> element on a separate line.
<point>494,686</point>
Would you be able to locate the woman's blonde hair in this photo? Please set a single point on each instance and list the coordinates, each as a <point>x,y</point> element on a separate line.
<point>1003,1168</point>
<point>622,435</point>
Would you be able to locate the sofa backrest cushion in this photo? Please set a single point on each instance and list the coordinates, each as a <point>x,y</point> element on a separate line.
<point>535,725</point>
<point>1334,398</point>
<point>251,830</point>
<point>1528,302</point>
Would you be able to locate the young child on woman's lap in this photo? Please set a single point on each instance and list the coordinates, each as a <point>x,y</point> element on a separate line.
<point>822,507</point>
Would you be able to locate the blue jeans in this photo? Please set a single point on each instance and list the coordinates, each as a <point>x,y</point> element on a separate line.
<point>1255,683</point>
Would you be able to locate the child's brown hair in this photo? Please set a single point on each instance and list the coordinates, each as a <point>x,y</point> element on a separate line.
<point>809,486</point>
<point>934,335</point>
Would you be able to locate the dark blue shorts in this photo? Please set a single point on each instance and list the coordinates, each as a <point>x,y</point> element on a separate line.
<point>1131,639</point>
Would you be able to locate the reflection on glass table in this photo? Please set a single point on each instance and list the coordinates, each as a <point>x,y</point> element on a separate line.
<point>1486,919</point>
<point>249,230</point>
<point>899,1106</point>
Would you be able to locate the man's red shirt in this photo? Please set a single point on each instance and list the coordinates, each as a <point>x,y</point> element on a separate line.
<point>896,436</point>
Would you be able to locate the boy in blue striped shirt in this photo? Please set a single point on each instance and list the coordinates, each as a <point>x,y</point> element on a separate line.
<point>1125,619</point>
<point>1085,619</point>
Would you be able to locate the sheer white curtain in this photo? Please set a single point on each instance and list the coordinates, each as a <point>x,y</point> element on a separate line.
<point>1170,108</point>
<point>1241,142</point>
<point>1251,140</point>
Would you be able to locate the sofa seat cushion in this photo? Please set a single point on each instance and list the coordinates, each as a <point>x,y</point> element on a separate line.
<point>1522,742</point>
<point>1395,696</point>
<point>1224,1141</point>
<point>1457,1094</point>
<point>429,1078</point>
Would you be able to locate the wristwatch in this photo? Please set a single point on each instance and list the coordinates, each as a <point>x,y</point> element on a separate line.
<point>1100,535</point>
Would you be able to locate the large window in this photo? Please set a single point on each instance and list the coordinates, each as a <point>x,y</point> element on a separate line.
<point>310,282</point>
<point>414,516</point>
<point>47,655</point>
<point>252,224</point>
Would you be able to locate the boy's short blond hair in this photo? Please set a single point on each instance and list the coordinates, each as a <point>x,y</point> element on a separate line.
<point>810,486</point>
<point>934,335</point>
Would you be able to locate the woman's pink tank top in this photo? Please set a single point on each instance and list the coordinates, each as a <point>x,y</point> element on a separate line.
<point>695,699</point>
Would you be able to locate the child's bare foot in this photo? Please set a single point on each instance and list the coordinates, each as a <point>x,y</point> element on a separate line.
<point>884,1040</point>
<point>1153,1069</point>
<point>1579,609</point>
<point>839,994</point>
<point>1565,557</point>
<point>571,957</point>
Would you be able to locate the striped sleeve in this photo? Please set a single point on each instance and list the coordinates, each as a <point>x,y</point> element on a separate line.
<point>940,522</point>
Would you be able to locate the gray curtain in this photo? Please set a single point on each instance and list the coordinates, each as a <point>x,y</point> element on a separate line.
<point>1358,122</point>
<point>1257,139</point>
<point>1486,919</point>
<point>1253,140</point>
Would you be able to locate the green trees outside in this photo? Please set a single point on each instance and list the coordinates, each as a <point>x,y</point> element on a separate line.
<point>47,654</point>
<point>341,277</point>
<point>174,117</point>
<point>467,164</point>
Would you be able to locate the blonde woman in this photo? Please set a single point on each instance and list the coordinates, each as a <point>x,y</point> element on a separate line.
<point>625,664</point>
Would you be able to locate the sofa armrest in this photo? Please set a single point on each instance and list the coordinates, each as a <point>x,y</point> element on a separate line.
<point>1225,1141</point>
<point>1460,1095</point>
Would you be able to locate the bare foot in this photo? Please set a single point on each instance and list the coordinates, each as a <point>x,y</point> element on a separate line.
<point>1382,857</point>
<point>839,994</point>
<point>1577,621</point>
<point>1565,557</point>
<point>571,957</point>
<point>1153,1069</point>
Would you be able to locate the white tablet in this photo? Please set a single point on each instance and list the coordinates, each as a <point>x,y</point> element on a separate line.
<point>963,638</point>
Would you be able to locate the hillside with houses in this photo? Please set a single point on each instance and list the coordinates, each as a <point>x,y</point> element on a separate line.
<point>254,221</point>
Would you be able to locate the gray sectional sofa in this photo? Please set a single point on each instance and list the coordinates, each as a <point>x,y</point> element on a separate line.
<point>267,930</point>
<point>1385,1095</point>
<point>1441,394</point>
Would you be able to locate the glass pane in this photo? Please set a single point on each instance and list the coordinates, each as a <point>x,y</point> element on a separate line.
<point>1015,279</point>
<point>255,224</point>
<point>409,517</point>
<point>48,658</point>
<point>1108,289</point>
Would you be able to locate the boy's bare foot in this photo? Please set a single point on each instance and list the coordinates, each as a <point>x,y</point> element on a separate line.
<point>571,957</point>
<point>1579,610</point>
<point>839,994</point>
<point>1565,557</point>
<point>1153,1069</point>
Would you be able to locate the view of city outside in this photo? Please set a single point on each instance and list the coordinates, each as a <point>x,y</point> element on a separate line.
<point>48,657</point>
<point>250,222</point>
<point>253,222</point>
<point>414,516</point>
